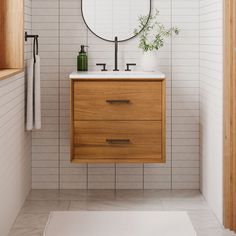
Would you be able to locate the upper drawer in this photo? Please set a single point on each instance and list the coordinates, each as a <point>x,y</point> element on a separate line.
<point>119,100</point>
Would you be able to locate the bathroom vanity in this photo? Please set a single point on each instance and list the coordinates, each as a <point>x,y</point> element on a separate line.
<point>118,117</point>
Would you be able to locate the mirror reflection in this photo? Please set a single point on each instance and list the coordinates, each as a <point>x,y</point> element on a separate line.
<point>108,19</point>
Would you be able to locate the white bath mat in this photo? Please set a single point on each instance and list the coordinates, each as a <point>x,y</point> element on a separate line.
<point>119,223</point>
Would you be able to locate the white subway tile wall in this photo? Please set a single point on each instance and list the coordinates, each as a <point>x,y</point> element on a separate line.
<point>15,143</point>
<point>62,30</point>
<point>15,151</point>
<point>45,143</point>
<point>185,95</point>
<point>211,102</point>
<point>28,28</point>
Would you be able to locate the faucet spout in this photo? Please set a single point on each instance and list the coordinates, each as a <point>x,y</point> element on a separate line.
<point>116,54</point>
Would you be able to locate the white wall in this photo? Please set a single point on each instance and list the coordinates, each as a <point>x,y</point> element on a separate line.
<point>211,100</point>
<point>15,152</point>
<point>15,143</point>
<point>62,30</point>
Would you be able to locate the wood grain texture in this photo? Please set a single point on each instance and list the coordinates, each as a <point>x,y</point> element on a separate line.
<point>90,100</point>
<point>6,73</point>
<point>90,139</point>
<point>230,116</point>
<point>143,125</point>
<point>11,34</point>
<point>163,123</point>
<point>71,120</point>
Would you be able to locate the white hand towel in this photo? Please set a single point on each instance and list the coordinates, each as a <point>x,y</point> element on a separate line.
<point>37,94</point>
<point>30,81</point>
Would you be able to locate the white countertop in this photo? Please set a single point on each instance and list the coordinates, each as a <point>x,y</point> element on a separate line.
<point>116,75</point>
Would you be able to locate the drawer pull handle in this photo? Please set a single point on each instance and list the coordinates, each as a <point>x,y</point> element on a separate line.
<point>118,101</point>
<point>118,141</point>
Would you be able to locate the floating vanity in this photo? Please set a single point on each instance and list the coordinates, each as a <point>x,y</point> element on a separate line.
<point>118,117</point>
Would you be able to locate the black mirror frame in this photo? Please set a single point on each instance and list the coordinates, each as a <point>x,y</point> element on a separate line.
<point>124,40</point>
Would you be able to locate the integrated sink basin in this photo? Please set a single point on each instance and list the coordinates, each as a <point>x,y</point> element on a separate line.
<point>116,74</point>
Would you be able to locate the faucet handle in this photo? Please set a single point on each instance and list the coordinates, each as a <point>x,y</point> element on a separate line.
<point>128,65</point>
<point>103,65</point>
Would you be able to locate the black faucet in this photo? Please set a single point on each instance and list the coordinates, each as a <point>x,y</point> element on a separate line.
<point>116,54</point>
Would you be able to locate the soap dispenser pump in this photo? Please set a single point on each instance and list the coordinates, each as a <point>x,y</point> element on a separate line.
<point>82,60</point>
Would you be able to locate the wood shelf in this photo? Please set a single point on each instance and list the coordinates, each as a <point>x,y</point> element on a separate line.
<point>11,37</point>
<point>6,73</point>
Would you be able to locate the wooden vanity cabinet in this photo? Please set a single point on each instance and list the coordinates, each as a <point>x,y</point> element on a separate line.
<point>118,120</point>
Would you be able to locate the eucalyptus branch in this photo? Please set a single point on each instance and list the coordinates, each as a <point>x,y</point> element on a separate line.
<point>152,33</point>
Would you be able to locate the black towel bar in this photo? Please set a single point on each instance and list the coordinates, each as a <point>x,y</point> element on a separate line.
<point>35,44</point>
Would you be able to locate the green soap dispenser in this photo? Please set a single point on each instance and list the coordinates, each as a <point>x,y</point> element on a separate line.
<point>82,60</point>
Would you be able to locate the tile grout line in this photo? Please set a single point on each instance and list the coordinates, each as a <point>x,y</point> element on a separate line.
<point>171,98</point>
<point>59,94</point>
<point>143,176</point>
<point>199,92</point>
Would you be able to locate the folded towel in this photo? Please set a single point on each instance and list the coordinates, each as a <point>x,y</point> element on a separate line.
<point>33,117</point>
<point>29,105</point>
<point>37,94</point>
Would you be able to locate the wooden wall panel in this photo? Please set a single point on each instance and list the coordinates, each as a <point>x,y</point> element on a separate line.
<point>230,115</point>
<point>11,34</point>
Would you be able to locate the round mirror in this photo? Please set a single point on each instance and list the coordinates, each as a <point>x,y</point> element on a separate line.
<point>108,19</point>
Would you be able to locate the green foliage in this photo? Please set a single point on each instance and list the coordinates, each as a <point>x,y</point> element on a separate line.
<point>152,35</point>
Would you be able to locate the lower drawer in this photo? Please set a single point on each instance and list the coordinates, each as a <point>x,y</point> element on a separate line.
<point>114,141</point>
